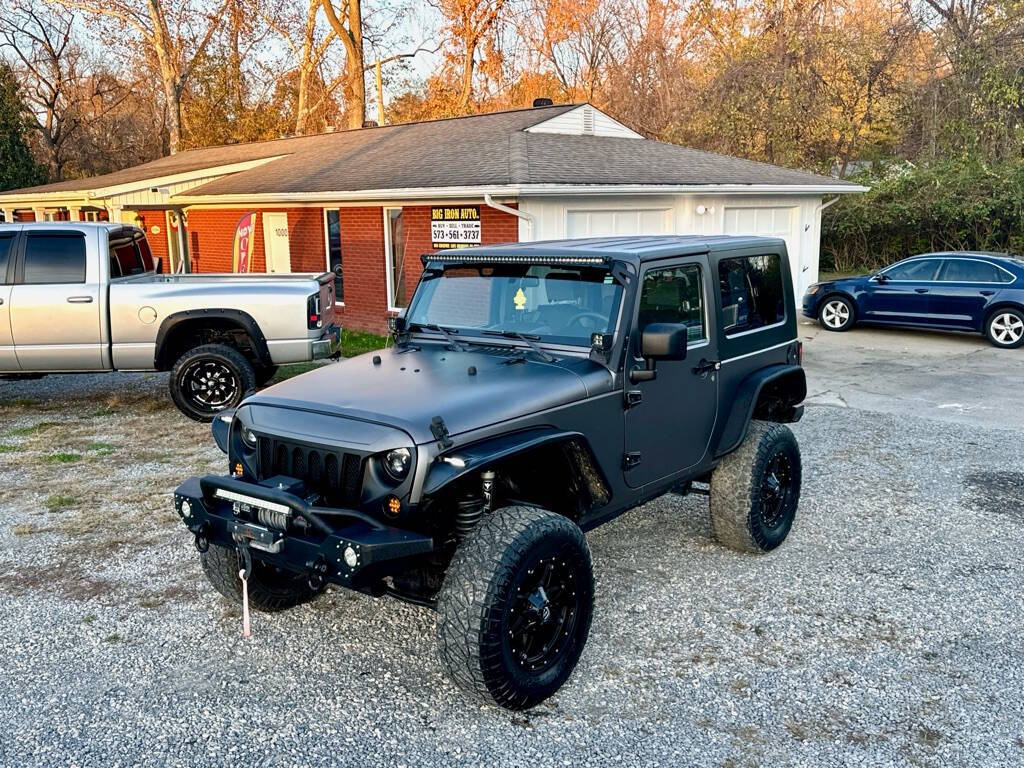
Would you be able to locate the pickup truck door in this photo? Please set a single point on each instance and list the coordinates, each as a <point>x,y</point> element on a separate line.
<point>669,420</point>
<point>55,303</point>
<point>8,360</point>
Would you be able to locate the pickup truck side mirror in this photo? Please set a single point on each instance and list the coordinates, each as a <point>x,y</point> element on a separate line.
<point>660,341</point>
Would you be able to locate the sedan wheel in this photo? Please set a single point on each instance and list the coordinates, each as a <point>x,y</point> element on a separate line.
<point>836,314</point>
<point>1006,328</point>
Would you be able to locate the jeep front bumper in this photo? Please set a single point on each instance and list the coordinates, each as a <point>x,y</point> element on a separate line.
<point>342,546</point>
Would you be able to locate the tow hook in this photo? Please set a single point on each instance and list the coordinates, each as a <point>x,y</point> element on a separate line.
<point>318,574</point>
<point>203,538</point>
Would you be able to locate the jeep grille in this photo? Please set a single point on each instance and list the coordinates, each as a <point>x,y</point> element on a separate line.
<point>335,475</point>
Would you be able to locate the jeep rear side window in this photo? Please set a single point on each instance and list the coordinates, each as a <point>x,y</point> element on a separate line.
<point>673,295</point>
<point>753,294</point>
<point>54,258</point>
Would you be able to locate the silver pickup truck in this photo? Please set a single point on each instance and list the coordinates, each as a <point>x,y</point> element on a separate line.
<point>88,297</point>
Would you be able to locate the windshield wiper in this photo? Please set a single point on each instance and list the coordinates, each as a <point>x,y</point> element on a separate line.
<point>527,340</point>
<point>447,333</point>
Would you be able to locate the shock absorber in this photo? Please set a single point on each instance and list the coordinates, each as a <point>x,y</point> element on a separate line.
<point>472,506</point>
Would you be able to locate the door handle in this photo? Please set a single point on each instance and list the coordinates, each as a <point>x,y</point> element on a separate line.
<point>706,366</point>
<point>987,293</point>
<point>79,299</point>
<point>920,290</point>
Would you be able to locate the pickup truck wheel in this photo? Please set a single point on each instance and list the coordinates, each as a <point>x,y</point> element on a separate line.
<point>756,488</point>
<point>515,607</point>
<point>270,589</point>
<point>210,378</point>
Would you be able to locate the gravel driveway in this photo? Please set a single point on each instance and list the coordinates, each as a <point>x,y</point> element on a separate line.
<point>885,632</point>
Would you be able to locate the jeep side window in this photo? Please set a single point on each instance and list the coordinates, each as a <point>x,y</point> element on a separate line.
<point>753,293</point>
<point>673,295</point>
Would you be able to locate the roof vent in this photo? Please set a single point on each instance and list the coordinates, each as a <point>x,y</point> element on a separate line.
<point>369,123</point>
<point>542,102</point>
<point>588,121</point>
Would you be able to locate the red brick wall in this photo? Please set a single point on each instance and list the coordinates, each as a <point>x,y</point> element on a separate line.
<point>157,241</point>
<point>362,264</point>
<point>212,232</point>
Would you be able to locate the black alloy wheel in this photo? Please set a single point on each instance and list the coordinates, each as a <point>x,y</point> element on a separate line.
<point>210,378</point>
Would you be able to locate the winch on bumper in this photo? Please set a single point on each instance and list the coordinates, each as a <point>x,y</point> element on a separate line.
<point>343,546</point>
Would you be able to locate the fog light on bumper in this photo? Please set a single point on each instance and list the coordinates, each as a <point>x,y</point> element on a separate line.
<point>351,558</point>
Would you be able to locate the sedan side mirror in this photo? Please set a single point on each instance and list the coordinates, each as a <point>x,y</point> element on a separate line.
<point>660,341</point>
<point>882,278</point>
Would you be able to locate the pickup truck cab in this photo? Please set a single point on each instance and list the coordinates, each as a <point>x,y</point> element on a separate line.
<point>89,297</point>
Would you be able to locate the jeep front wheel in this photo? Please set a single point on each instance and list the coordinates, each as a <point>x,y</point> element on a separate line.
<point>756,488</point>
<point>210,378</point>
<point>515,607</point>
<point>270,589</point>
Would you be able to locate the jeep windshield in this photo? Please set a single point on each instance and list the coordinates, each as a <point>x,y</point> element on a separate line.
<point>554,304</point>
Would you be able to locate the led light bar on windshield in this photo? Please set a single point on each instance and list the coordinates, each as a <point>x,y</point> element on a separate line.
<point>530,259</point>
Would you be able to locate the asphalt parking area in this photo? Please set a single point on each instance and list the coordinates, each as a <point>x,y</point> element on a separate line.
<point>885,631</point>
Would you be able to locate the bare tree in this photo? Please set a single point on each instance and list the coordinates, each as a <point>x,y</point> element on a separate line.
<point>347,24</point>
<point>469,22</point>
<point>177,31</point>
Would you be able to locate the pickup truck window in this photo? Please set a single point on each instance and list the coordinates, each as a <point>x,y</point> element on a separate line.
<point>130,257</point>
<point>54,258</point>
<point>673,295</point>
<point>752,292</point>
<point>6,241</point>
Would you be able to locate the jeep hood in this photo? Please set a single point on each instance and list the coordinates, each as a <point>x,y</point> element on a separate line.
<point>411,385</point>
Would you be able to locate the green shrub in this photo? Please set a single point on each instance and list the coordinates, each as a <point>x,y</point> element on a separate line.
<point>963,205</point>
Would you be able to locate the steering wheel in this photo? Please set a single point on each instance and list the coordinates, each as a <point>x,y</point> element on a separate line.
<point>599,321</point>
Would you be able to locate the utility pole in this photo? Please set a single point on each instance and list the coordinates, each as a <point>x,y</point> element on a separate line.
<point>380,80</point>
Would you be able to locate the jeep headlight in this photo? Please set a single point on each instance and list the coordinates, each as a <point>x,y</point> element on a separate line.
<point>248,437</point>
<point>396,463</point>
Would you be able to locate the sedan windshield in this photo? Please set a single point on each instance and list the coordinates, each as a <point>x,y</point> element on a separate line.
<point>554,304</point>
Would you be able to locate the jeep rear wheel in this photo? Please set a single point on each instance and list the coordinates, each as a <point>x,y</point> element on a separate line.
<point>756,488</point>
<point>516,606</point>
<point>270,589</point>
<point>210,378</point>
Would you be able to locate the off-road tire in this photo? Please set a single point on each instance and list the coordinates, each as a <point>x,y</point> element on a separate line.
<point>1001,324</point>
<point>270,589</point>
<point>739,518</point>
<point>237,370</point>
<point>829,321</point>
<point>479,602</point>
<point>264,373</point>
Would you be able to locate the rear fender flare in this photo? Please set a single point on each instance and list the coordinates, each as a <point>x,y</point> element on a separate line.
<point>746,399</point>
<point>236,316</point>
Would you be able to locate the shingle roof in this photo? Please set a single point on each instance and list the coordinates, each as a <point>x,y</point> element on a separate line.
<point>481,150</point>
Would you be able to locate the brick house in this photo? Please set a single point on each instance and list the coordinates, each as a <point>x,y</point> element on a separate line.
<point>367,203</point>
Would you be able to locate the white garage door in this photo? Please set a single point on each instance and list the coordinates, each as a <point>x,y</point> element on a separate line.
<point>629,221</point>
<point>780,221</point>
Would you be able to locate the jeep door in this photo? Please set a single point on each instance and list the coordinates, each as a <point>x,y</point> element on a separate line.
<point>669,421</point>
<point>55,303</point>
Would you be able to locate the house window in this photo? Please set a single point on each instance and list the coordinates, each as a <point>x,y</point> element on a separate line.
<point>394,252</point>
<point>332,239</point>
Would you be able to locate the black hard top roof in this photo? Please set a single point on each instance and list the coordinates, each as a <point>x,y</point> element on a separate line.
<point>633,248</point>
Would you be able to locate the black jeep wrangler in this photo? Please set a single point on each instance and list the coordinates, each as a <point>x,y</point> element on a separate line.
<point>533,391</point>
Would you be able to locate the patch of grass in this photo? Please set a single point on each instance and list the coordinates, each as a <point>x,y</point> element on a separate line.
<point>823,276</point>
<point>63,458</point>
<point>57,502</point>
<point>100,448</point>
<point>32,429</point>
<point>24,529</point>
<point>88,618</point>
<point>296,369</point>
<point>18,402</point>
<point>358,342</point>
<point>5,448</point>
<point>115,638</point>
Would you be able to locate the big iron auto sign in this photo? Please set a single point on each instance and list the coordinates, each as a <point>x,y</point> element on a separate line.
<point>455,226</point>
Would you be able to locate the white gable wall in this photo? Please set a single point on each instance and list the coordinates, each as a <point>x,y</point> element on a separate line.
<point>795,218</point>
<point>585,120</point>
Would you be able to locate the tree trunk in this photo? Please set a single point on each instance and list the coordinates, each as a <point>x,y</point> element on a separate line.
<point>468,63</point>
<point>355,82</point>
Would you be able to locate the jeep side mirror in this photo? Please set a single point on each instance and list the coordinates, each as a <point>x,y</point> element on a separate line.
<point>660,341</point>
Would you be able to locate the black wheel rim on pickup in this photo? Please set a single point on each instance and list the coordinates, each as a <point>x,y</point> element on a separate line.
<point>776,489</point>
<point>209,384</point>
<point>543,614</point>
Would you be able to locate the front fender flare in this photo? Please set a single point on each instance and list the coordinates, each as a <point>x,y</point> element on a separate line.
<point>458,462</point>
<point>745,401</point>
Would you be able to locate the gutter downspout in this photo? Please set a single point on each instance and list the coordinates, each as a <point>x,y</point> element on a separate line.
<point>529,218</point>
<point>823,206</point>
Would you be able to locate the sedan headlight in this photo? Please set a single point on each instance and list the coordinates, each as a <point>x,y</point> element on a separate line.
<point>812,289</point>
<point>396,463</point>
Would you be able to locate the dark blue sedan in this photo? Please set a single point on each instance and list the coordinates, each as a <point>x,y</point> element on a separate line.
<point>962,291</point>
